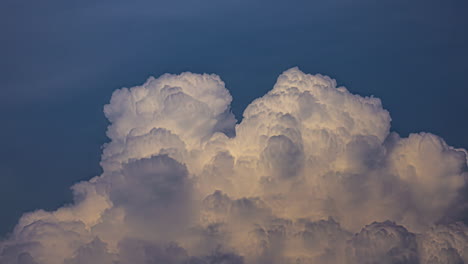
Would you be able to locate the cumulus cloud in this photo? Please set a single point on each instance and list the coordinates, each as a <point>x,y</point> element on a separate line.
<point>312,174</point>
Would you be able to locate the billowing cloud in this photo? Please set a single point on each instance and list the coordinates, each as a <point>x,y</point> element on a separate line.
<point>312,174</point>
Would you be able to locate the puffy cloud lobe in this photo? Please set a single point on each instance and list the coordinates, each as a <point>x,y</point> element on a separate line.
<point>445,244</point>
<point>383,243</point>
<point>312,174</point>
<point>94,252</point>
<point>181,111</point>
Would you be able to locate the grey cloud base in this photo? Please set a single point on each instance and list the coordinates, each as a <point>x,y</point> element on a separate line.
<point>312,174</point>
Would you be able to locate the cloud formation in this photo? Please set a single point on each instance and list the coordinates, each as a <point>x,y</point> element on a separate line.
<point>312,174</point>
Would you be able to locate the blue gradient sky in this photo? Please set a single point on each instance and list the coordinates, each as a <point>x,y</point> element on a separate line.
<point>61,60</point>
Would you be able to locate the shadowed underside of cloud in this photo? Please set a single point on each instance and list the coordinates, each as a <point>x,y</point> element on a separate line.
<point>312,174</point>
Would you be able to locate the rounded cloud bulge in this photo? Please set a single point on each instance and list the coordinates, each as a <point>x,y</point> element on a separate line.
<point>311,174</point>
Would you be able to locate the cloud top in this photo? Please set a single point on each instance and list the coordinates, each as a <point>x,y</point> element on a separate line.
<point>312,174</point>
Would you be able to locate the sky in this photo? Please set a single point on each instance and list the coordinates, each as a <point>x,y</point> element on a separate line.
<point>61,61</point>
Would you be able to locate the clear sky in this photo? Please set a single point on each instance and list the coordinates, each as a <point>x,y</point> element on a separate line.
<point>61,60</point>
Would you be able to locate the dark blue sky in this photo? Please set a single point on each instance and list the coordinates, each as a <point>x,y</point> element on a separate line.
<point>61,60</point>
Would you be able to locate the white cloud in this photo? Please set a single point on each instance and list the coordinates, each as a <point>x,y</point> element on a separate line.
<point>310,165</point>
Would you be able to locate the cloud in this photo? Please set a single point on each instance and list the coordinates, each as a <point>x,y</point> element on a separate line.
<point>312,174</point>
